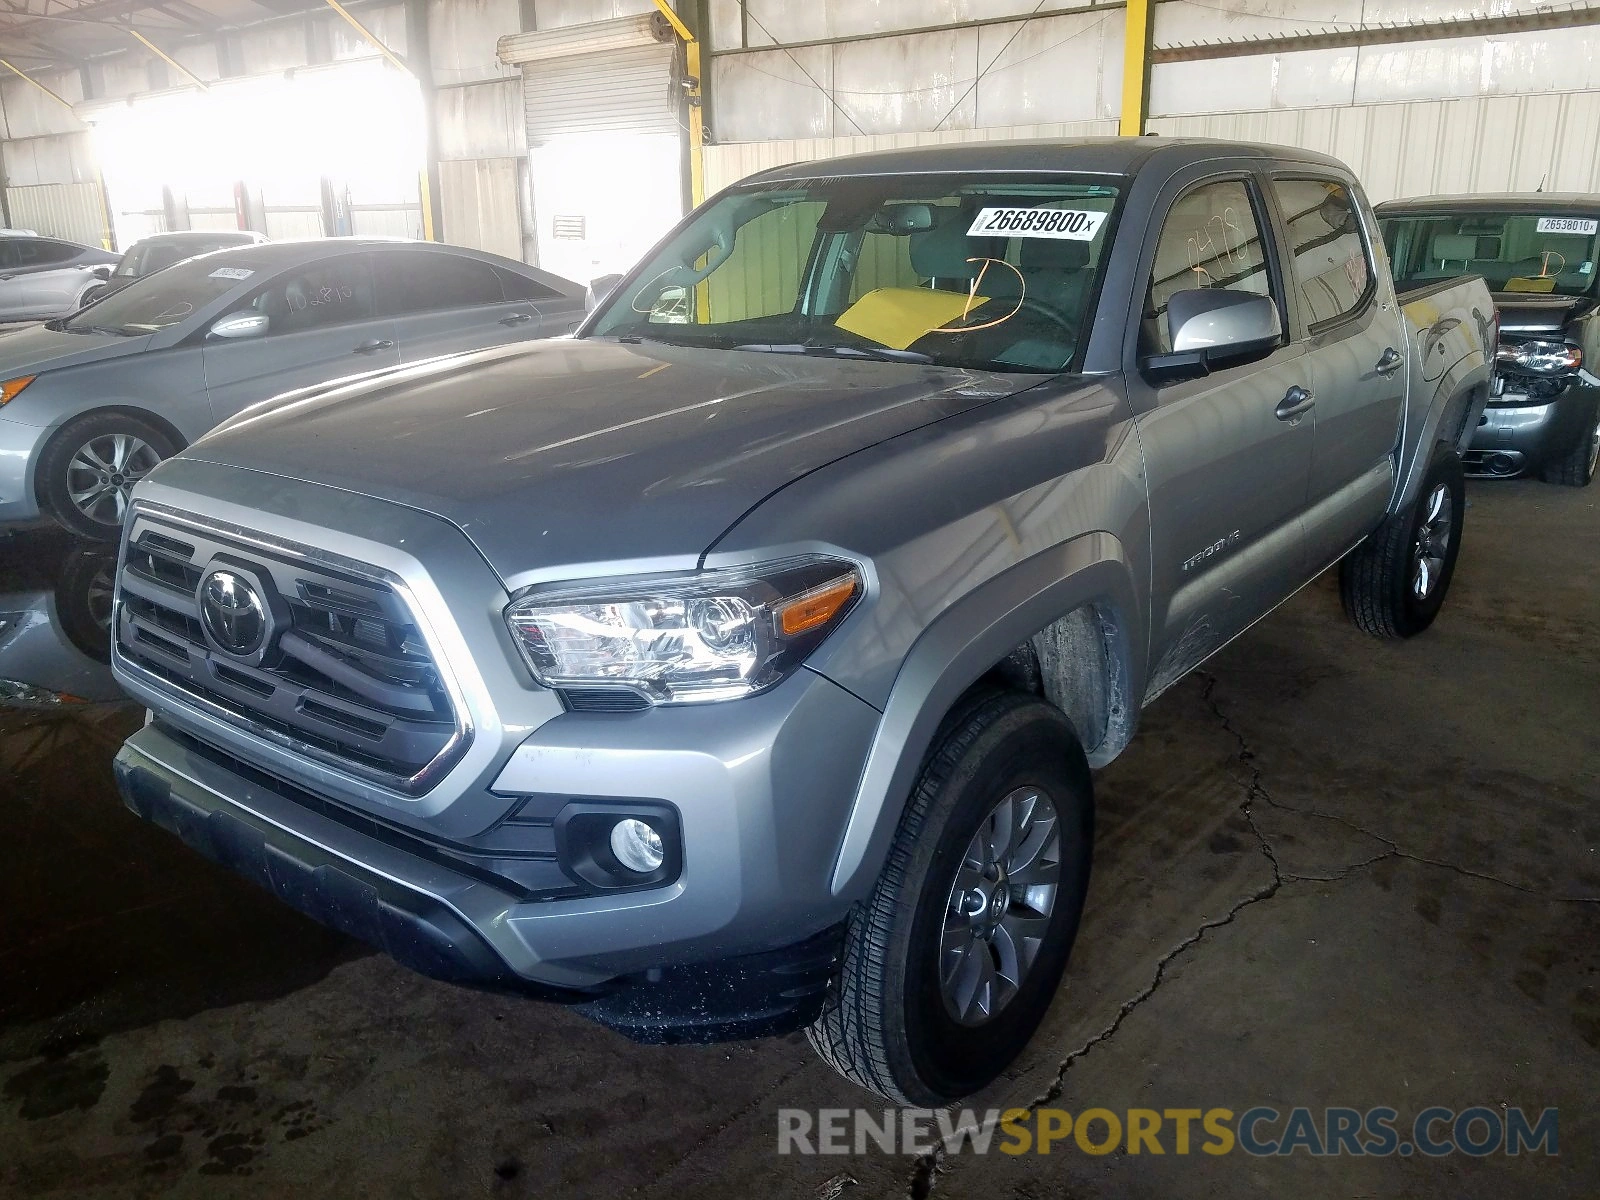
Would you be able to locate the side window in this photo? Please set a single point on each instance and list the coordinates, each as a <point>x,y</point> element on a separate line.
<point>1328,258</point>
<point>1211,239</point>
<point>33,252</point>
<point>521,287</point>
<point>10,256</point>
<point>413,281</point>
<point>334,292</point>
<point>59,252</point>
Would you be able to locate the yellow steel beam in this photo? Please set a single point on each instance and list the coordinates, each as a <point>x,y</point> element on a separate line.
<point>691,63</point>
<point>369,35</point>
<point>1136,67</point>
<point>165,57</point>
<point>21,74</point>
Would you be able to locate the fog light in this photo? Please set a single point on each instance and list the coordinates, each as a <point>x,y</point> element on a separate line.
<point>637,846</point>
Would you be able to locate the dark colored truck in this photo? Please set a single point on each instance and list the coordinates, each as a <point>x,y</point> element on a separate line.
<point>1539,253</point>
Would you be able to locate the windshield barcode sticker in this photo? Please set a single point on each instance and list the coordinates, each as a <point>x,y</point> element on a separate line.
<point>1569,225</point>
<point>231,273</point>
<point>1070,224</point>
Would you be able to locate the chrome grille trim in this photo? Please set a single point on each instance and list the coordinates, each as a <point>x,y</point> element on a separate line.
<point>165,521</point>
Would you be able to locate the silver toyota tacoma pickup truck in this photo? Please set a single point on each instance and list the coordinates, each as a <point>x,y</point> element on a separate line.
<point>739,664</point>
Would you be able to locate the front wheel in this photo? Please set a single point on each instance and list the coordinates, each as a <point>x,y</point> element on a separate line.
<point>1395,582</point>
<point>90,467</point>
<point>950,966</point>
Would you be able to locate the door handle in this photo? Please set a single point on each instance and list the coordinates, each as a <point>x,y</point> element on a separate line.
<point>1296,402</point>
<point>515,318</point>
<point>374,346</point>
<point>1389,363</point>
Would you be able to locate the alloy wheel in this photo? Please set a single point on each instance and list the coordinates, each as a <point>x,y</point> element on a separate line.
<point>101,475</point>
<point>1000,905</point>
<point>1433,542</point>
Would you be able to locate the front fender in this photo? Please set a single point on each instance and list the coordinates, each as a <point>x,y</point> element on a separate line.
<point>966,640</point>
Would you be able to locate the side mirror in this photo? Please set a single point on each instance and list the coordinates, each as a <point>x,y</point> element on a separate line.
<point>103,271</point>
<point>598,290</point>
<point>240,325</point>
<point>1215,326</point>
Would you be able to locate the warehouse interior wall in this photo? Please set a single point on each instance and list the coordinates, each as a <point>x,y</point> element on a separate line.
<point>1418,114</point>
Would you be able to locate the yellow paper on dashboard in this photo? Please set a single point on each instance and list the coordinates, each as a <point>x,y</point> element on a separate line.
<point>896,317</point>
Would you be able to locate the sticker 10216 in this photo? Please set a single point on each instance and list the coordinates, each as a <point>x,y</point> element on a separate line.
<point>1070,224</point>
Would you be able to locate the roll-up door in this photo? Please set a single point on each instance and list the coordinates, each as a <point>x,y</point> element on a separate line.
<point>618,89</point>
<point>604,140</point>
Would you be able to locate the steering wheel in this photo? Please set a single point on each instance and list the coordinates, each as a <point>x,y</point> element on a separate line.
<point>1029,303</point>
<point>1050,313</point>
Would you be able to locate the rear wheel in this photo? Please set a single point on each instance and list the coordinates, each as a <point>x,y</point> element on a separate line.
<point>952,963</point>
<point>1578,467</point>
<point>1395,582</point>
<point>90,467</point>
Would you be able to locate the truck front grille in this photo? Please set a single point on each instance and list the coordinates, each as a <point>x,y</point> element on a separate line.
<point>341,674</point>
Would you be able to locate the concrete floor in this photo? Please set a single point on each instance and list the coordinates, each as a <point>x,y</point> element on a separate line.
<point>1330,872</point>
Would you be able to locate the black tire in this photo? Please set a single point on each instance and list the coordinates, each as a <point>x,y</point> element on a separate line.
<point>90,294</point>
<point>887,1026</point>
<point>1379,579</point>
<point>83,599</point>
<point>60,475</point>
<point>1577,468</point>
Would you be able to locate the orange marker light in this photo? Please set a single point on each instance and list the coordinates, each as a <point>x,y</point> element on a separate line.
<point>816,607</point>
<point>10,388</point>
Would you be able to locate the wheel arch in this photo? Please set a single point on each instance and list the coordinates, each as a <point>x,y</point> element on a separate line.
<point>179,442</point>
<point>1055,605</point>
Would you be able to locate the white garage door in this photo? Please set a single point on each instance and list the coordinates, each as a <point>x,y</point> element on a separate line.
<point>605,143</point>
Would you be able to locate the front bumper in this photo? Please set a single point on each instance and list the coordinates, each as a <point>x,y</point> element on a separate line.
<point>18,446</point>
<point>1513,438</point>
<point>740,944</point>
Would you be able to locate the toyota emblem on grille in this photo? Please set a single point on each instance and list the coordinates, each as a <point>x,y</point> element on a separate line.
<point>233,612</point>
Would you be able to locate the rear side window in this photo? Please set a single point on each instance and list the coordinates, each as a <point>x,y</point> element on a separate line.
<point>412,281</point>
<point>520,287</point>
<point>1211,239</point>
<point>1328,257</point>
<point>40,252</point>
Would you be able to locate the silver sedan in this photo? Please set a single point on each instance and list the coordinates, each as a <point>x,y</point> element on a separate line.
<point>90,403</point>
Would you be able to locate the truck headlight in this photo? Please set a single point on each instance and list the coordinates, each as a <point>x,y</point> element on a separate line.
<point>685,639</point>
<point>1539,358</point>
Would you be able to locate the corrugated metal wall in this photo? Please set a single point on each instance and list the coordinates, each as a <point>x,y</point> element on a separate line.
<point>1418,148</point>
<point>75,211</point>
<point>480,204</point>
<point>729,163</point>
<point>1424,147</point>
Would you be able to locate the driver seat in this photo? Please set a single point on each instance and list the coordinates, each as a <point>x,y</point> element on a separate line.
<point>1057,273</point>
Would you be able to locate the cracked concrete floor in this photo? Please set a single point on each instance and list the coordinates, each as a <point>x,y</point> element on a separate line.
<point>1329,872</point>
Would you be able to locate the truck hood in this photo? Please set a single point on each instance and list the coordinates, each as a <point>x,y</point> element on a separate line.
<point>1524,313</point>
<point>559,453</point>
<point>30,349</point>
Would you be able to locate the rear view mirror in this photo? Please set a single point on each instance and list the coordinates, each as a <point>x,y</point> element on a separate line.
<point>240,325</point>
<point>598,290</point>
<point>1216,326</point>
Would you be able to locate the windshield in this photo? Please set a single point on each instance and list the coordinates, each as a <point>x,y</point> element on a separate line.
<point>151,255</point>
<point>166,298</point>
<point>988,272</point>
<point>1514,252</point>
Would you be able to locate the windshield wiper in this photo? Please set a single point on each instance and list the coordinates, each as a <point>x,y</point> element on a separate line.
<point>880,353</point>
